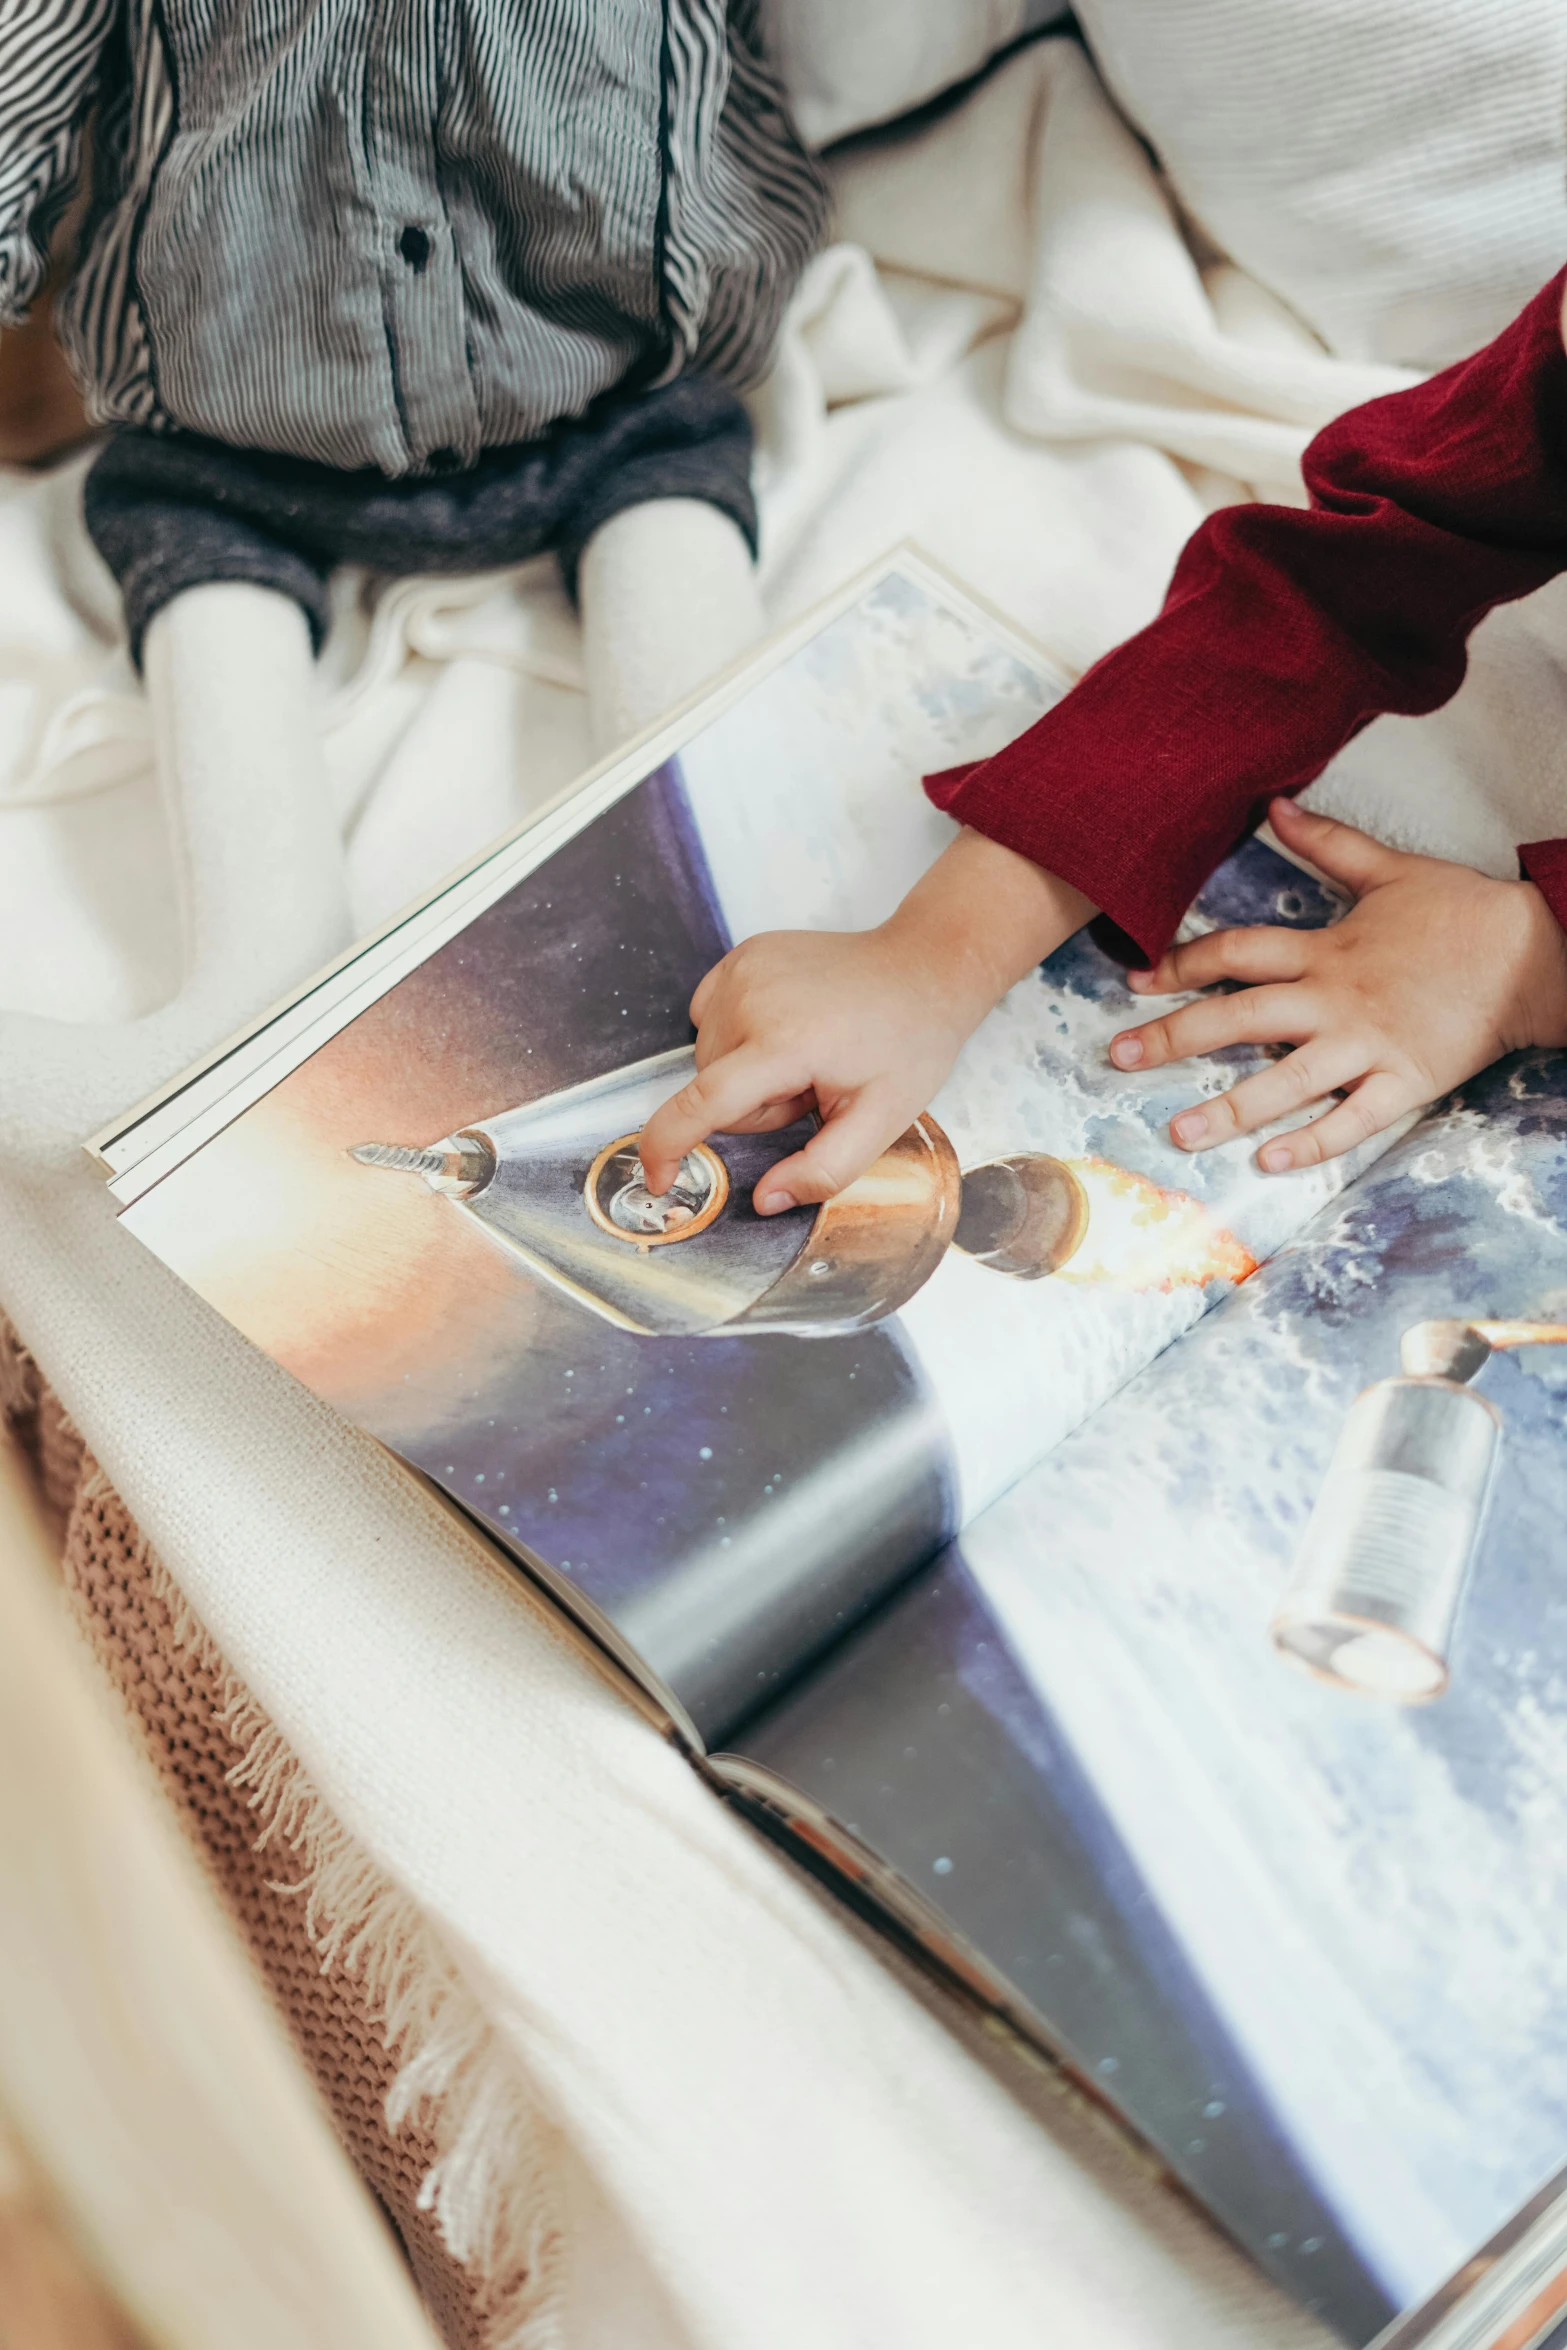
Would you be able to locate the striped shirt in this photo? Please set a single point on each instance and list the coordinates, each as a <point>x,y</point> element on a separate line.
<point>393,233</point>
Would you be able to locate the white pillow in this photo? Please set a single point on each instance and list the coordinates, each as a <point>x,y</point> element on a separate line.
<point>1395,170</point>
<point>849,63</point>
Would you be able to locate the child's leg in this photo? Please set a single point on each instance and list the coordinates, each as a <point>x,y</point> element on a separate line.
<point>669,596</point>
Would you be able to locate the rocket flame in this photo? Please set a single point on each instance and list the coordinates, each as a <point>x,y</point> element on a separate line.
<point>1500,1334</point>
<point>1142,1237</point>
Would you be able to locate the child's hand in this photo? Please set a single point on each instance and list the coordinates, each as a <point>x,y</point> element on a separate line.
<point>799,1020</point>
<point>1434,973</point>
<point>861,1027</point>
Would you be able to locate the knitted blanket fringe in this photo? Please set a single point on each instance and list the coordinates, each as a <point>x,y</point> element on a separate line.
<point>489,2189</point>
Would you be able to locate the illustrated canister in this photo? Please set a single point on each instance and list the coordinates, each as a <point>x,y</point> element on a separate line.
<point>1377,1582</point>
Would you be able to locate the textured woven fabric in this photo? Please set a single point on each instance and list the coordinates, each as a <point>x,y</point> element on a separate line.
<point>847,68</point>
<point>1395,170</point>
<point>179,1698</point>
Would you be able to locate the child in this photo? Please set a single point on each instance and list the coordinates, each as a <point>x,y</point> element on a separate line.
<point>1284,632</point>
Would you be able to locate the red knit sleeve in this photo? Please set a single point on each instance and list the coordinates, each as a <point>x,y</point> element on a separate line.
<point>1285,631</point>
<point>1545,864</point>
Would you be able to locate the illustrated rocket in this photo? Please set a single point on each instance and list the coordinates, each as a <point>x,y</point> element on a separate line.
<point>558,1183</point>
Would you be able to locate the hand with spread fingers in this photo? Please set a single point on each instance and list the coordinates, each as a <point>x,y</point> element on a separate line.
<point>1435,972</point>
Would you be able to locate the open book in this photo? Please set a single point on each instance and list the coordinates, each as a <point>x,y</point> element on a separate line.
<point>1135,1580</point>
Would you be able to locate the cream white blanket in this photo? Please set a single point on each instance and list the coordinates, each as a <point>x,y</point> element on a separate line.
<point>728,2121</point>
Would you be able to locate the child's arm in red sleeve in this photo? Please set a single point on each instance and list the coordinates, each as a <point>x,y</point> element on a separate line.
<point>1285,631</point>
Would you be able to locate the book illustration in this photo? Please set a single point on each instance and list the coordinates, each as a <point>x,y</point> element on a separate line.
<point>968,1549</point>
<point>1310,1944</point>
<point>556,1182</point>
<point>1381,1573</point>
<point>544,1181</point>
<point>725,1505</point>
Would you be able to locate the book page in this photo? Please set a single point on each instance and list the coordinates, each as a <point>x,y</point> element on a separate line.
<point>727,1434</point>
<point>1235,1735</point>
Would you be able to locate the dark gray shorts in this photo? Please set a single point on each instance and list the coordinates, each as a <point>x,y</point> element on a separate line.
<point>169,511</point>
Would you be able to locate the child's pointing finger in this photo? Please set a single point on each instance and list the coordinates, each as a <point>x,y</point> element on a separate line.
<point>713,1102</point>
